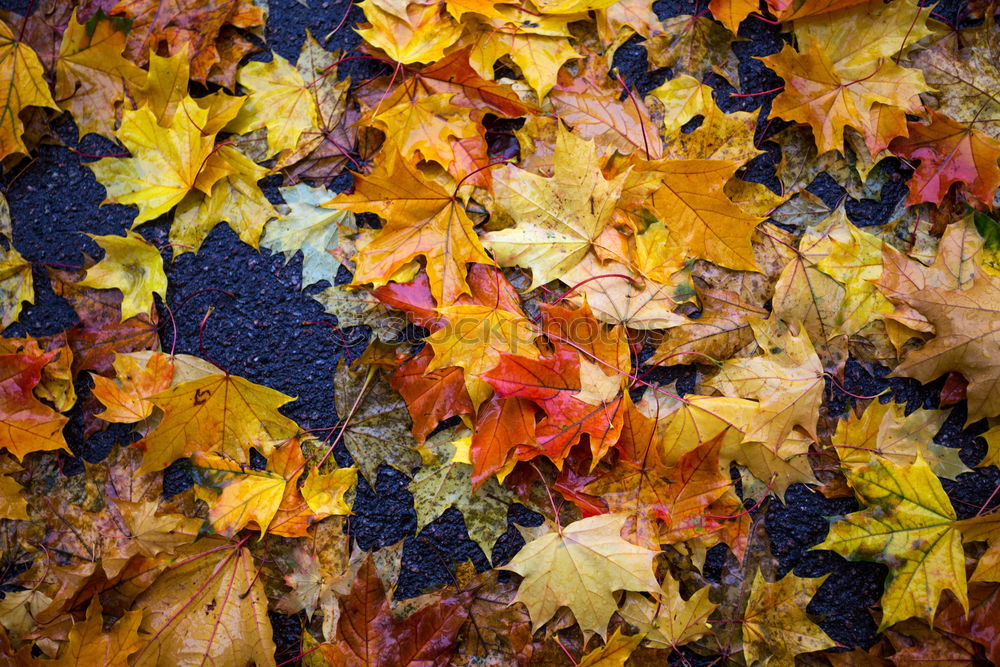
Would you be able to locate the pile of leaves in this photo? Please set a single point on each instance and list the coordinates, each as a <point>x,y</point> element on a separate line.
<point>618,307</point>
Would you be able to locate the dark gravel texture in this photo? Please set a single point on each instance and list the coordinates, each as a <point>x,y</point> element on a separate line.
<point>257,331</point>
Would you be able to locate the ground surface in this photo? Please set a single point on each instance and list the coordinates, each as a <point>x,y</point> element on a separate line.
<point>257,330</point>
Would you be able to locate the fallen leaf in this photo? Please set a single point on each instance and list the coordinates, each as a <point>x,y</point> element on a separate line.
<point>580,566</point>
<point>211,604</point>
<point>775,626</point>
<point>422,220</point>
<point>126,396</point>
<point>559,219</point>
<point>219,413</point>
<point>131,265</point>
<point>25,87</point>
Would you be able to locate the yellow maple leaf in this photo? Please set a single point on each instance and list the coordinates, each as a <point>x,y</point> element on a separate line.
<point>559,219</point>
<point>324,492</point>
<point>909,524</point>
<point>22,84</point>
<point>17,285</point>
<point>235,199</point>
<point>775,625</point>
<point>788,382</point>
<point>689,194</point>
<point>884,431</point>
<point>280,100</point>
<point>409,32</point>
<point>668,620</point>
<point>417,122</point>
<point>246,494</point>
<point>132,265</point>
<point>967,330</point>
<point>874,101</point>
<point>580,566</point>
<point>421,220</point>
<point>12,502</point>
<point>614,653</point>
<point>220,413</point>
<point>167,162</point>
<point>88,644</point>
<point>537,44</point>
<point>91,73</point>
<point>210,606</point>
<point>136,379</point>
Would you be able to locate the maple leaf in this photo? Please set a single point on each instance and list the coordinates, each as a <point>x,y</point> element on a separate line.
<point>964,81</point>
<point>206,29</point>
<point>617,23</point>
<point>279,99</point>
<point>131,265</point>
<point>378,429</point>
<point>126,396</point>
<point>88,644</point>
<point>682,98</point>
<point>235,199</point>
<point>116,528</point>
<point>976,621</point>
<point>368,634</point>
<point>167,162</point>
<point>501,425</point>
<point>826,286</point>
<point>91,73</point>
<point>421,220</point>
<point>618,295</point>
<point>949,152</point>
<point>25,86</point>
<point>692,45</point>
<point>353,306</point>
<point>414,32</point>
<point>554,384</point>
<point>325,493</point>
<point>101,333</point>
<point>322,150</point>
<point>722,330</point>
<point>579,566</point>
<point>818,94</point>
<point>690,194</point>
<point>13,505</point>
<point>425,125</point>
<point>245,494</point>
<point>210,604</point>
<point>559,219</point>
<point>669,620</point>
<point>538,45</point>
<point>474,339</point>
<point>324,568</point>
<point>907,523</point>
<point>646,491</point>
<point>966,326</point>
<point>884,432</point>
<point>218,413</point>
<point>614,653</point>
<point>308,226</point>
<point>593,107</point>
<point>788,383</point>
<point>431,397</point>
<point>731,13</point>
<point>17,285</point>
<point>26,424</point>
<point>445,481</point>
<point>775,625</point>
<point>453,74</point>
